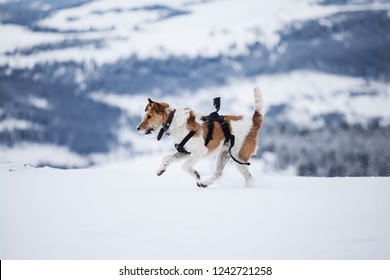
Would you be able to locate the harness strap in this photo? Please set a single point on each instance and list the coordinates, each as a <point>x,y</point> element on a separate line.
<point>180,147</point>
<point>225,129</point>
<point>224,126</point>
<point>209,137</point>
<point>232,138</point>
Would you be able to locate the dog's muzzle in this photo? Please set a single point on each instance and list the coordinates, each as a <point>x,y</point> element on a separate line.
<point>147,131</point>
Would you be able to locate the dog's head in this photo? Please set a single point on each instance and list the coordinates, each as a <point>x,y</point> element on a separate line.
<point>156,114</point>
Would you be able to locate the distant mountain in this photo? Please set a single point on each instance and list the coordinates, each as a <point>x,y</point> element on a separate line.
<point>324,68</point>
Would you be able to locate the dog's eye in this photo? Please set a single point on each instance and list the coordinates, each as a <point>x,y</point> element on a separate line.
<point>148,116</point>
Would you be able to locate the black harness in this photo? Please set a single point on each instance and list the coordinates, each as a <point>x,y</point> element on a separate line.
<point>210,119</point>
<point>215,117</point>
<point>179,147</point>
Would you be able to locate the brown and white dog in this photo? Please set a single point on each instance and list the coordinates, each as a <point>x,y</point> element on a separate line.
<point>245,129</point>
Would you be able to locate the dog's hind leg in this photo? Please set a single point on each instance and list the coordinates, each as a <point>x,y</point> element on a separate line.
<point>244,170</point>
<point>166,161</point>
<point>222,159</point>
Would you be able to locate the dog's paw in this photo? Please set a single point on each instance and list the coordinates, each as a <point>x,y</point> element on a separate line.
<point>160,172</point>
<point>250,183</point>
<point>197,175</point>
<point>201,185</point>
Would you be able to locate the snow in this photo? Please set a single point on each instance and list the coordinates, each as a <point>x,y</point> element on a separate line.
<point>39,102</point>
<point>303,92</point>
<point>128,28</point>
<point>306,98</point>
<point>25,38</point>
<point>37,154</point>
<point>133,105</point>
<point>124,211</point>
<point>100,15</point>
<point>16,124</point>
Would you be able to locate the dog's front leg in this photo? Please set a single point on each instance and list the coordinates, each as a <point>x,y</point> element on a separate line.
<point>189,163</point>
<point>168,160</point>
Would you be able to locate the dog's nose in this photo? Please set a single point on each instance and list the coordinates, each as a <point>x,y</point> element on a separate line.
<point>138,128</point>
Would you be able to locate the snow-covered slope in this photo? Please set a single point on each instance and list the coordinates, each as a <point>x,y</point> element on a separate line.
<point>303,97</point>
<point>124,211</point>
<point>155,28</point>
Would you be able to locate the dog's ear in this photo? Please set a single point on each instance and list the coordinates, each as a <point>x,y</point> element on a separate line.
<point>160,108</point>
<point>149,104</point>
<point>156,106</point>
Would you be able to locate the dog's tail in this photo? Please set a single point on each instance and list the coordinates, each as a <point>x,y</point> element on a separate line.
<point>259,108</point>
<point>259,105</point>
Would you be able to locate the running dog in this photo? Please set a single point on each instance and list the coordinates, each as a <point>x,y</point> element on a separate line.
<point>191,130</point>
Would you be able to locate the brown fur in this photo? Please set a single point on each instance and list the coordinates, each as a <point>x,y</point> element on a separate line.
<point>193,125</point>
<point>250,143</point>
<point>155,114</point>
<point>233,118</point>
<point>218,135</point>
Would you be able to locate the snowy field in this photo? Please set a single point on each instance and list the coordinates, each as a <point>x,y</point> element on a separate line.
<point>124,211</point>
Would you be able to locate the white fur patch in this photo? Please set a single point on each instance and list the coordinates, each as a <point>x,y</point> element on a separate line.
<point>240,130</point>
